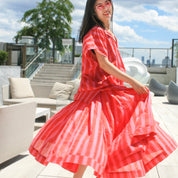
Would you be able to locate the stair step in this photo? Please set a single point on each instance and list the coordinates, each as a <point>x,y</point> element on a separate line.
<point>56,72</point>
<point>52,78</point>
<point>51,73</point>
<point>42,83</point>
<point>47,81</point>
<point>63,65</point>
<point>52,81</point>
<point>59,67</point>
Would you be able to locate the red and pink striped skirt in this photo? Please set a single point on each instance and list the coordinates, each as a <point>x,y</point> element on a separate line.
<point>111,130</point>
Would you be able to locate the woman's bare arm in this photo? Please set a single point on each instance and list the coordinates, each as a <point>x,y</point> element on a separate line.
<point>113,70</point>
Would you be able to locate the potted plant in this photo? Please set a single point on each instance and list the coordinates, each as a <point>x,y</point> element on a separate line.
<point>3,57</point>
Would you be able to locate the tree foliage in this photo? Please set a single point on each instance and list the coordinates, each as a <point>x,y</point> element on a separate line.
<point>49,21</point>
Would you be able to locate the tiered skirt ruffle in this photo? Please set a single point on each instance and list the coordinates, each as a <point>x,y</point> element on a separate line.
<point>112,130</point>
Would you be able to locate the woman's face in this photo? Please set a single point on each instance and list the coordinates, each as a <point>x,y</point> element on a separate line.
<point>103,9</point>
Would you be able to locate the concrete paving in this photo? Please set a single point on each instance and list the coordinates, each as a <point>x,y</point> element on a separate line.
<point>25,166</point>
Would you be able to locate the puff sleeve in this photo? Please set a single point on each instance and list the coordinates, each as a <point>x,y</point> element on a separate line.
<point>95,39</point>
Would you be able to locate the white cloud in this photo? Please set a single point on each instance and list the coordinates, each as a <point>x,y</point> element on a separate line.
<point>151,17</point>
<point>75,29</point>
<point>170,6</point>
<point>79,4</point>
<point>6,36</point>
<point>78,14</point>
<point>77,17</point>
<point>125,33</point>
<point>9,25</point>
<point>18,5</point>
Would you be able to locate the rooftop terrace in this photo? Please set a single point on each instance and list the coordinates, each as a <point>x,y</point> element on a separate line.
<point>24,165</point>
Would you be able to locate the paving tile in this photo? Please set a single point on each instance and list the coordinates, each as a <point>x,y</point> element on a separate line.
<point>167,115</point>
<point>171,160</point>
<point>26,167</point>
<point>168,171</point>
<point>153,173</point>
<point>89,173</point>
<point>176,138</point>
<point>52,177</point>
<point>57,171</point>
<point>171,122</point>
<point>35,132</point>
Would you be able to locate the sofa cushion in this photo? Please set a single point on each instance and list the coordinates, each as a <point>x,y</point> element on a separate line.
<point>20,88</point>
<point>76,84</point>
<point>60,91</point>
<point>40,101</point>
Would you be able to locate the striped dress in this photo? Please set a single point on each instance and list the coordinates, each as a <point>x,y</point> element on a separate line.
<point>108,126</point>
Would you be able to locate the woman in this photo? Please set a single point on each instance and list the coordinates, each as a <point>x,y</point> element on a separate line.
<point>108,126</point>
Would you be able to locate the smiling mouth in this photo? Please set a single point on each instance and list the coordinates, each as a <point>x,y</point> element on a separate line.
<point>107,13</point>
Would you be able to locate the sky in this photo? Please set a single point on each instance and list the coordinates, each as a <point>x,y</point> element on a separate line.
<point>136,23</point>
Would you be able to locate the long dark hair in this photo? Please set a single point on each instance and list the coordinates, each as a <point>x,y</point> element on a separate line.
<point>90,19</point>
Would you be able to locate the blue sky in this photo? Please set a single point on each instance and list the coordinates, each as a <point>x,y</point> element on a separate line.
<point>137,23</point>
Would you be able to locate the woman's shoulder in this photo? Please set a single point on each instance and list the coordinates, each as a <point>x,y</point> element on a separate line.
<point>95,31</point>
<point>97,28</point>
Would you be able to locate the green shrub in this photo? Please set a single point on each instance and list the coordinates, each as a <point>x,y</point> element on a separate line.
<point>77,55</point>
<point>3,57</point>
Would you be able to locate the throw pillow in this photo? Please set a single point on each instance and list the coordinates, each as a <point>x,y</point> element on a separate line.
<point>60,91</point>
<point>76,84</point>
<point>20,88</point>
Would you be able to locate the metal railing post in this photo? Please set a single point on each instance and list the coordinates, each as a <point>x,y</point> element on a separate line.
<point>172,62</point>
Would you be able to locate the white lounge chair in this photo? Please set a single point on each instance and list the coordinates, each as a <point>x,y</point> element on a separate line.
<point>16,129</point>
<point>172,93</point>
<point>157,88</point>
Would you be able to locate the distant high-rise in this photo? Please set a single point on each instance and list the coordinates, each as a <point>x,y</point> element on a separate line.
<point>153,61</point>
<point>143,59</point>
<point>166,62</point>
<point>148,62</point>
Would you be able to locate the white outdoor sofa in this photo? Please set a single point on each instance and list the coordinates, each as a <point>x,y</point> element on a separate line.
<point>41,98</point>
<point>46,96</point>
<point>16,129</point>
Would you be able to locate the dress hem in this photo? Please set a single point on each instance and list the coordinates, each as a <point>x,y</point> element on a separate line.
<point>71,159</point>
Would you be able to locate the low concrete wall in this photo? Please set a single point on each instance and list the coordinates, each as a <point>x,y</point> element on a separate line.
<point>163,75</point>
<point>5,73</point>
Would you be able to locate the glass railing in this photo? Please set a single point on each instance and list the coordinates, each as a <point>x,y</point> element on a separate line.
<point>30,56</point>
<point>78,62</point>
<point>32,63</point>
<point>32,68</point>
<point>151,57</point>
<point>175,52</point>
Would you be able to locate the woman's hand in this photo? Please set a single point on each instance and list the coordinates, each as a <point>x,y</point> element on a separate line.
<point>139,87</point>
